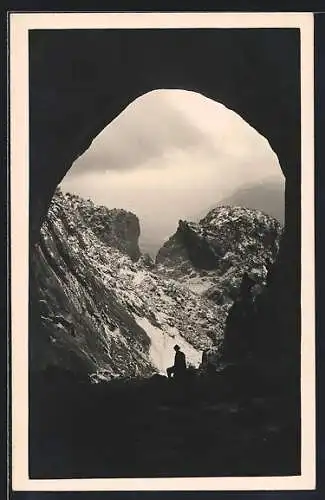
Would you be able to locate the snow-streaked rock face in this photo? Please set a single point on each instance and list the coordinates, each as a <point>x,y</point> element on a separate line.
<point>162,341</point>
<point>211,256</point>
<point>117,228</point>
<point>116,315</point>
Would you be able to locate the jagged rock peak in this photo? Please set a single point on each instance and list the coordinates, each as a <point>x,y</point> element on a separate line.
<point>230,212</point>
<point>115,227</point>
<point>213,254</point>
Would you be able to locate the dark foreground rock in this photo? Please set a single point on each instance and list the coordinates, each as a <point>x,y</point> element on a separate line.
<point>222,425</point>
<point>100,310</point>
<point>213,254</point>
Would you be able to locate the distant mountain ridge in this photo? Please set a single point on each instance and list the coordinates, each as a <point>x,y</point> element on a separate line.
<point>268,197</point>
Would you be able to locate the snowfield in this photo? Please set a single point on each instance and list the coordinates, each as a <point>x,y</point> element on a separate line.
<point>121,316</point>
<point>161,351</point>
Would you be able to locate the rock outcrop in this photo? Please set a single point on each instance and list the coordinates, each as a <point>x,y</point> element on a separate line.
<point>267,197</point>
<point>68,111</point>
<point>102,309</point>
<point>83,325</point>
<point>116,228</point>
<point>212,256</point>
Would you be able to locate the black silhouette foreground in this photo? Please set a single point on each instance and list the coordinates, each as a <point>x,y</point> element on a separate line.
<point>178,370</point>
<point>235,423</point>
<point>238,420</point>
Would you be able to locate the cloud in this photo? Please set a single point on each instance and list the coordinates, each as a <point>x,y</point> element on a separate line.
<point>144,130</point>
<point>170,155</point>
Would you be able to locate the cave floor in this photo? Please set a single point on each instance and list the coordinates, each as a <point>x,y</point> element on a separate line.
<point>159,428</point>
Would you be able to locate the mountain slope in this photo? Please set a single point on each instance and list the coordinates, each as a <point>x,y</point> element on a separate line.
<point>116,316</point>
<point>268,197</point>
<point>212,255</point>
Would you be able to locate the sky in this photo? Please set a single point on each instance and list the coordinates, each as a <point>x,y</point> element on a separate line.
<point>170,155</point>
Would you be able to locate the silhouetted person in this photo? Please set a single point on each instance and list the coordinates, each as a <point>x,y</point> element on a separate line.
<point>179,368</point>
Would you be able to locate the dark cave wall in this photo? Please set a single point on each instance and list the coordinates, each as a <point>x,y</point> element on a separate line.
<point>81,80</point>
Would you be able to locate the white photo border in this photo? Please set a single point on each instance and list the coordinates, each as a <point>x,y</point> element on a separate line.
<point>20,24</point>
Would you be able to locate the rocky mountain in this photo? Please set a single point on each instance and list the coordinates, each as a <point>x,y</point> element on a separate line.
<point>116,228</point>
<point>267,197</point>
<point>111,312</point>
<point>211,256</point>
<point>102,306</point>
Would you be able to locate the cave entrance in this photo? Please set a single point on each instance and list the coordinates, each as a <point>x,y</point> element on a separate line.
<point>94,74</point>
<point>158,183</point>
<point>254,72</point>
<point>174,155</point>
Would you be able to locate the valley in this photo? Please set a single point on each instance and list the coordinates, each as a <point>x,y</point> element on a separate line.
<point>117,313</point>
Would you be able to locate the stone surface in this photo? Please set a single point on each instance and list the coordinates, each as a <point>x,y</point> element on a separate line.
<point>80,81</point>
<point>102,312</point>
<point>212,255</point>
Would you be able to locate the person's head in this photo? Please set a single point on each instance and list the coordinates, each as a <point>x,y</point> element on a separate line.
<point>177,348</point>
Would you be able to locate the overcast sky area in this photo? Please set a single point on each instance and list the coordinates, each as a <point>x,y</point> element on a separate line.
<point>170,155</point>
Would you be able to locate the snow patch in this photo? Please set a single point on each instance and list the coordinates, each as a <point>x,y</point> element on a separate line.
<point>139,276</point>
<point>197,285</point>
<point>161,352</point>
